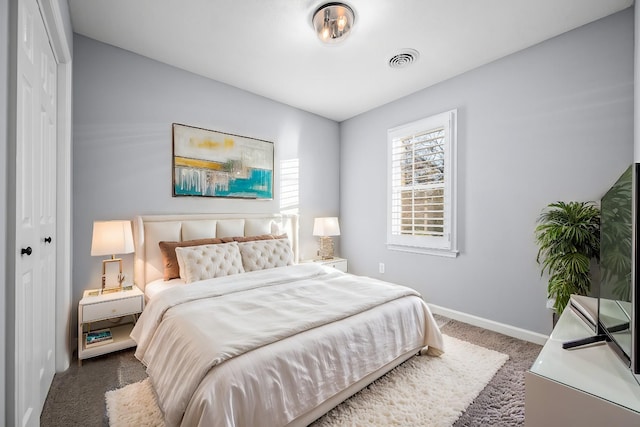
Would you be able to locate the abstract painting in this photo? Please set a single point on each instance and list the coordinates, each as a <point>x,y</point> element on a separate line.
<point>207,163</point>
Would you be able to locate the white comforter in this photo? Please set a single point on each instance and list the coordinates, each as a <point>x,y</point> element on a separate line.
<point>227,324</point>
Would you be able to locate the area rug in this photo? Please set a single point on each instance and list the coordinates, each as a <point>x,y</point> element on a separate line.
<point>428,391</point>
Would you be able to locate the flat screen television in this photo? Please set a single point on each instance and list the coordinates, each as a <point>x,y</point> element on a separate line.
<point>619,290</point>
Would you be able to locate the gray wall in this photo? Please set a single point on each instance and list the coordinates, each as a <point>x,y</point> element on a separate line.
<point>124,105</point>
<point>552,122</point>
<point>4,82</point>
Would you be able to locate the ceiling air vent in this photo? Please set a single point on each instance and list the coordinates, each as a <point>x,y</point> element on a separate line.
<point>405,58</point>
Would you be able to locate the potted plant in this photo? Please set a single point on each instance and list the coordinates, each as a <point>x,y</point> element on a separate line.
<point>568,236</point>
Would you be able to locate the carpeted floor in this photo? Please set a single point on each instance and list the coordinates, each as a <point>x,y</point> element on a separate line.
<point>76,397</point>
<point>424,391</point>
<point>501,403</point>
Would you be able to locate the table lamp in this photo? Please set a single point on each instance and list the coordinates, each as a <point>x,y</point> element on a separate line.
<point>324,228</point>
<point>111,238</point>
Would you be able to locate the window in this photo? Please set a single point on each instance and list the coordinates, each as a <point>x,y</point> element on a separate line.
<point>421,202</point>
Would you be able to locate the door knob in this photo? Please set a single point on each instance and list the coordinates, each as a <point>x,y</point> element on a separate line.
<point>47,239</point>
<point>27,251</point>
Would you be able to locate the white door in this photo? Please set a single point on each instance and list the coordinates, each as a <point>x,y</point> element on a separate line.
<point>47,214</point>
<point>35,215</point>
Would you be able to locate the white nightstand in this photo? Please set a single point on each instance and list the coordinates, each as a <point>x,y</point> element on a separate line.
<point>105,308</point>
<point>337,263</point>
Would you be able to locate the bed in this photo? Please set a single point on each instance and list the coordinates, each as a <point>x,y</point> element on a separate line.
<point>250,337</point>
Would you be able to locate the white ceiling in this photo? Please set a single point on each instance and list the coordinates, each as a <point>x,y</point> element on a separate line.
<point>268,47</point>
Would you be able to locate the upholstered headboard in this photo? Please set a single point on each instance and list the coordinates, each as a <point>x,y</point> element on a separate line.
<point>149,230</point>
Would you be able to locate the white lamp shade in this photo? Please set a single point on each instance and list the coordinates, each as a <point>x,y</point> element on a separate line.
<point>111,237</point>
<point>327,226</point>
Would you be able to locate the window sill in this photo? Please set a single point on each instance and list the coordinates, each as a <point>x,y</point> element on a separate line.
<point>447,253</point>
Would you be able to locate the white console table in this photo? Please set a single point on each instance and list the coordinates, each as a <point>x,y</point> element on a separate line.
<point>585,386</point>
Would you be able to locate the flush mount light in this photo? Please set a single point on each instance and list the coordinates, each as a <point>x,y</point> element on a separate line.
<point>333,22</point>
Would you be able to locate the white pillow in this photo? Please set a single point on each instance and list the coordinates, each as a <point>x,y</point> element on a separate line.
<point>209,261</point>
<point>262,254</point>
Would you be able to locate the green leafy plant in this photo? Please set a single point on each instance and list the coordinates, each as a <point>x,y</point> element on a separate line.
<point>568,237</point>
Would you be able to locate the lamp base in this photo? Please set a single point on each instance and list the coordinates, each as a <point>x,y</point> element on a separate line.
<point>326,248</point>
<point>112,276</point>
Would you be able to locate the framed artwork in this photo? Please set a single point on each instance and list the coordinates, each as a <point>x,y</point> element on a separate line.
<point>208,163</point>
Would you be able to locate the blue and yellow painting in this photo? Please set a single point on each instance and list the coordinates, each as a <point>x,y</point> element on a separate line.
<point>215,164</point>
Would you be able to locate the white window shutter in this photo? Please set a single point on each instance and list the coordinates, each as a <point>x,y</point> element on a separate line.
<point>422,184</point>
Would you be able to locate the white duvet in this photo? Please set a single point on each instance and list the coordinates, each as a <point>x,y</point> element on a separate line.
<point>267,347</point>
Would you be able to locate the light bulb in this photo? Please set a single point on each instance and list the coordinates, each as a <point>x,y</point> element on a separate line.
<point>342,22</point>
<point>325,33</point>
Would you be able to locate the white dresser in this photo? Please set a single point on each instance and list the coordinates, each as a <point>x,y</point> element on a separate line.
<point>585,386</point>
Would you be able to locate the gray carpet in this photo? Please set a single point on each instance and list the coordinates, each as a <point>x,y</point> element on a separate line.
<point>76,397</point>
<point>501,403</point>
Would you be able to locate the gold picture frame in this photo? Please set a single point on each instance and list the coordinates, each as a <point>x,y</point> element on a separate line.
<point>112,276</point>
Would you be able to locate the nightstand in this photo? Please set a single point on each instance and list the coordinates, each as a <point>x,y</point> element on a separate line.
<point>117,311</point>
<point>337,263</point>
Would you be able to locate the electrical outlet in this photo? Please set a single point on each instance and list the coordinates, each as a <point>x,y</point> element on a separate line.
<point>381,268</point>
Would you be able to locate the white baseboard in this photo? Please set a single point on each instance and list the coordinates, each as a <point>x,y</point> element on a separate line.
<point>491,325</point>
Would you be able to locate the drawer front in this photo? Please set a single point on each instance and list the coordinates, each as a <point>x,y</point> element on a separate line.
<point>108,309</point>
<point>338,265</point>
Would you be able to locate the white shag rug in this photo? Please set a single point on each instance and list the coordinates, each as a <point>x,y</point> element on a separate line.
<point>428,391</point>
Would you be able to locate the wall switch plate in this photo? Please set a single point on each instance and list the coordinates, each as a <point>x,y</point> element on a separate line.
<point>381,268</point>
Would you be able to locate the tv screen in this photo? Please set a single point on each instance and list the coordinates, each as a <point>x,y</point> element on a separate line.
<point>618,286</point>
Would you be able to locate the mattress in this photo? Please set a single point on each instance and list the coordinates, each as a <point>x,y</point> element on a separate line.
<point>155,287</point>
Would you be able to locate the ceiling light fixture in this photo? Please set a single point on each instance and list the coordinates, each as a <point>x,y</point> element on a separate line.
<point>333,22</point>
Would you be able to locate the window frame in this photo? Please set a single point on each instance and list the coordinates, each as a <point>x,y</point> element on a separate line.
<point>447,244</point>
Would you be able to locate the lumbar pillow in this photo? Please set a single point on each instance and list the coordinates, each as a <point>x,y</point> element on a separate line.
<point>252,238</point>
<point>209,261</point>
<point>168,252</point>
<point>262,254</point>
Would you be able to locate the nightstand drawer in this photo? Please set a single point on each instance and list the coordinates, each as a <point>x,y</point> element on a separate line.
<point>109,309</point>
<point>338,264</point>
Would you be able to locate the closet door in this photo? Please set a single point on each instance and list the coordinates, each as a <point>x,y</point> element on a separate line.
<point>47,214</point>
<point>35,215</point>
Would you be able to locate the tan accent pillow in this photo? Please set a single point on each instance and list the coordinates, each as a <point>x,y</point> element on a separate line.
<point>168,252</point>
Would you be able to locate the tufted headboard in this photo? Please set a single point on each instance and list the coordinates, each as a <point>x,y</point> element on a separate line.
<point>149,230</point>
